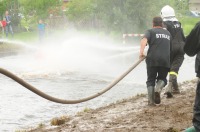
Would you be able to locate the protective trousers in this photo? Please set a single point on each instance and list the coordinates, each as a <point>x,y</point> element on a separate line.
<point>196,110</point>
<point>156,73</point>
<point>176,61</point>
<point>177,57</point>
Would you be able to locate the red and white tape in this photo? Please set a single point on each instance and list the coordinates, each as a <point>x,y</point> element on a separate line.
<point>131,35</point>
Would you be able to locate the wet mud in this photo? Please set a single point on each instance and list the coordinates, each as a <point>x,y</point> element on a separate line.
<point>134,115</point>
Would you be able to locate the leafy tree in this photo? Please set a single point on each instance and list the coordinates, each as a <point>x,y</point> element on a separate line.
<point>114,15</point>
<point>122,16</point>
<point>2,8</point>
<point>27,23</point>
<point>33,10</point>
<point>41,8</point>
<point>81,11</point>
<point>4,5</point>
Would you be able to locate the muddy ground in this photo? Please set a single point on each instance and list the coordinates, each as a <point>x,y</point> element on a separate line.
<point>133,115</point>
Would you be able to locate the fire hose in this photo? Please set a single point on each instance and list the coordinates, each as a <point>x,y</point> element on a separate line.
<point>62,101</point>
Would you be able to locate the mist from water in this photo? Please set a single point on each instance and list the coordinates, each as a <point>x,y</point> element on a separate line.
<point>76,52</point>
<point>73,51</point>
<point>71,65</point>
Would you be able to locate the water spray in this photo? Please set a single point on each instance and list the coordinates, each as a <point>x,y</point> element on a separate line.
<point>62,101</point>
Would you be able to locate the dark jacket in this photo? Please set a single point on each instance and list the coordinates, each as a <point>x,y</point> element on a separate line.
<point>178,42</point>
<point>178,38</point>
<point>192,46</point>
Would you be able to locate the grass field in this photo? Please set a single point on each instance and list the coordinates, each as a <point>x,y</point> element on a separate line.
<point>188,23</point>
<point>26,36</point>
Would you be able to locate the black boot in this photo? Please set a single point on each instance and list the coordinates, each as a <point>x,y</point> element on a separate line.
<point>151,96</point>
<point>159,86</point>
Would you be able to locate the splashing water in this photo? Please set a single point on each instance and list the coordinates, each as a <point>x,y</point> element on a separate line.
<point>75,52</point>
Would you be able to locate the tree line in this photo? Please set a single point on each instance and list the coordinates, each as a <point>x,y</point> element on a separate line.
<point>109,16</point>
<point>124,16</point>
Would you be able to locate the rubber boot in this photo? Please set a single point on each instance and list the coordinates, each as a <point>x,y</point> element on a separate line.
<point>175,89</point>
<point>151,96</point>
<point>190,129</point>
<point>173,79</point>
<point>169,90</point>
<point>159,86</point>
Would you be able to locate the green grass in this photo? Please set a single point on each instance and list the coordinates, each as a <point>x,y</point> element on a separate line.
<point>26,36</point>
<point>23,36</point>
<point>188,23</point>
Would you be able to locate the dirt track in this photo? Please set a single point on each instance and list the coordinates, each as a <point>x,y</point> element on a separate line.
<point>133,115</point>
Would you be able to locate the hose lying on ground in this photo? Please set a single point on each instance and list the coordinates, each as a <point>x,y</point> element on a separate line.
<point>62,101</point>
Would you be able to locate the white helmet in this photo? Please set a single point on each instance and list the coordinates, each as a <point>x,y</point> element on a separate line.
<point>167,11</point>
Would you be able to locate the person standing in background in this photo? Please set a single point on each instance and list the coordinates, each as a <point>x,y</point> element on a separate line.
<point>3,25</point>
<point>41,30</point>
<point>8,24</point>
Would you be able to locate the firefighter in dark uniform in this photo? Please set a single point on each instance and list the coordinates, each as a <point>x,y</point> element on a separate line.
<point>177,53</point>
<point>157,59</point>
<point>192,48</point>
